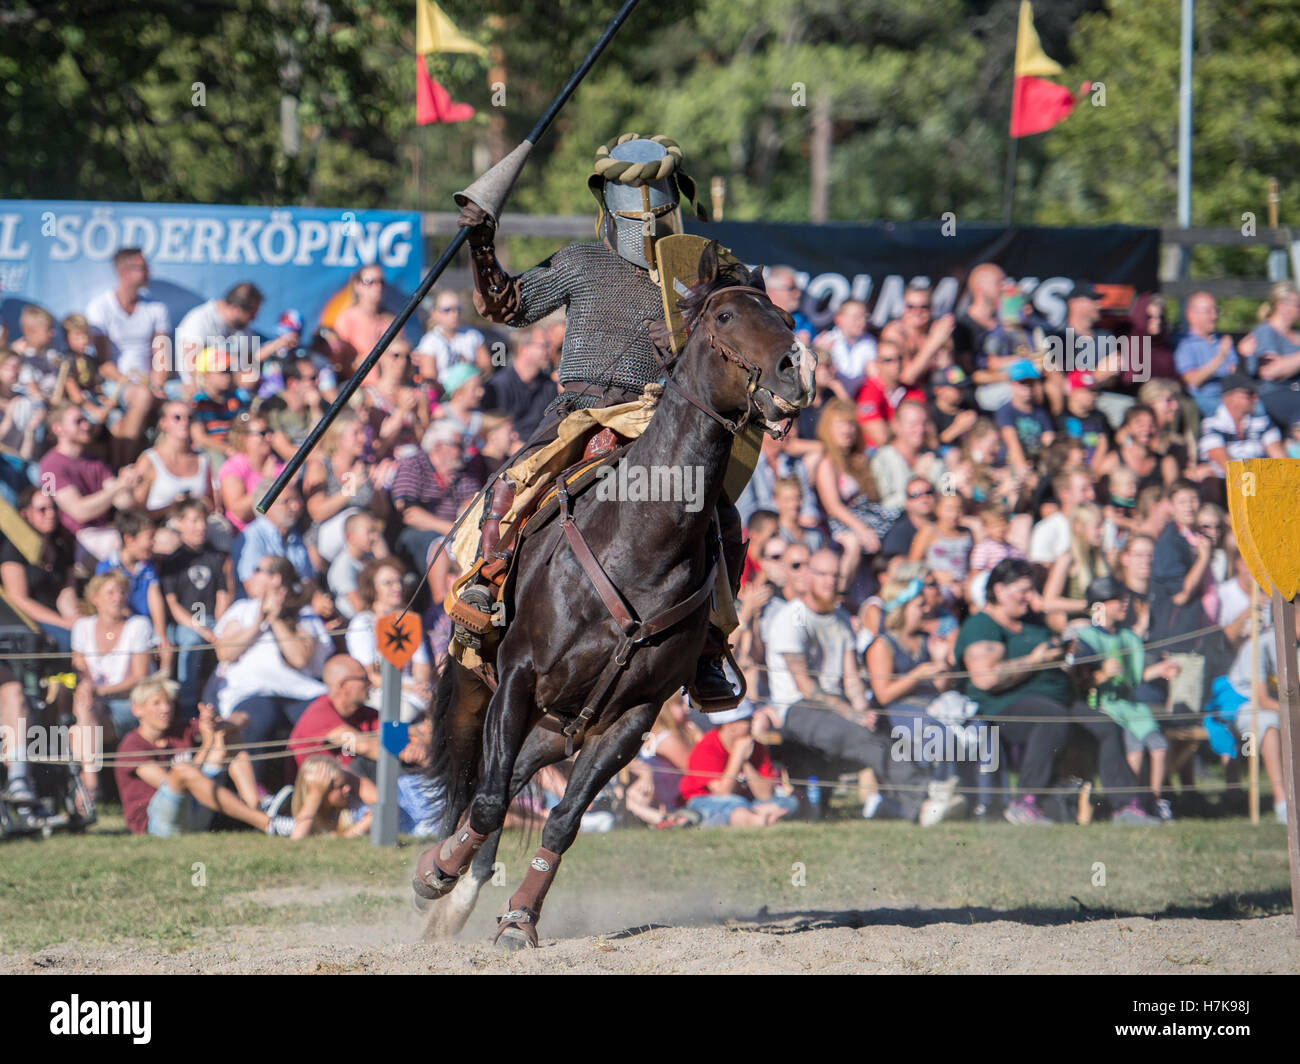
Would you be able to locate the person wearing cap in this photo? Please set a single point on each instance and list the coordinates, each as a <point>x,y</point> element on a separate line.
<point>730,780</point>
<point>1080,420</point>
<point>950,405</point>
<point>1205,356</point>
<point>462,389</point>
<point>1237,430</point>
<point>1026,428</point>
<point>1110,681</point>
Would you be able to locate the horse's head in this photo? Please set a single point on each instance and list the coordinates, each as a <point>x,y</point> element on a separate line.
<point>742,356</point>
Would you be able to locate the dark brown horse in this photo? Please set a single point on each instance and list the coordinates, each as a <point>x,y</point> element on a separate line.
<point>741,360</point>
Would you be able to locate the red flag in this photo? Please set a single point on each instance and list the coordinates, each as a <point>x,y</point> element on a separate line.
<point>433,102</point>
<point>1037,105</point>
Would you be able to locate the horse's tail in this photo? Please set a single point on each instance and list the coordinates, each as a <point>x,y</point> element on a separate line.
<point>457,741</point>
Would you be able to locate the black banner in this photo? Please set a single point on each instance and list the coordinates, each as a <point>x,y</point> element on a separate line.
<point>875,263</point>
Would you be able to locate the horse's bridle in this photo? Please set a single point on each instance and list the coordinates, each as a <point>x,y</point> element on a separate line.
<point>732,355</point>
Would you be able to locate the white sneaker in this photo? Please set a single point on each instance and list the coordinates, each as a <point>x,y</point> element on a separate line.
<point>943,804</point>
<point>870,806</point>
<point>1279,810</point>
<point>598,822</point>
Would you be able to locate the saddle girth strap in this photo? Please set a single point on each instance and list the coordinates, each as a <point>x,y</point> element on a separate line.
<point>634,632</point>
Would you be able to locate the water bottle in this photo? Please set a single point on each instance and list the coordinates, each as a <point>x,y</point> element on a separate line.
<point>814,794</point>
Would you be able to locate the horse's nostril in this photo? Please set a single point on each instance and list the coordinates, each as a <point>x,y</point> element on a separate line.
<point>787,367</point>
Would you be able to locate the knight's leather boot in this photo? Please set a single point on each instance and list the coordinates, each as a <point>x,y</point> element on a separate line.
<point>503,497</point>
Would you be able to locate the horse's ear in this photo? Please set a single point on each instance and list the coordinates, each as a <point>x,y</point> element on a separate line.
<point>709,264</point>
<point>756,279</point>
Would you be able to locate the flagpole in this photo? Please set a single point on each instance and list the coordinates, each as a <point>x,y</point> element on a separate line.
<point>1009,189</point>
<point>444,260</point>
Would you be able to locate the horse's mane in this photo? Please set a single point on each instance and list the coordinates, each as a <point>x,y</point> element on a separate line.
<point>726,276</point>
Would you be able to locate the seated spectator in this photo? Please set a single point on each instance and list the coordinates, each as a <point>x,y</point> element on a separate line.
<point>135,562</point>
<point>993,547</point>
<point>666,751</point>
<point>926,342</point>
<point>381,591</point>
<point>449,343</point>
<point>1182,585</point>
<point>882,392</point>
<point>360,324</point>
<point>339,482</point>
<point>1120,510</point>
<point>35,346</point>
<point>788,498</point>
<point>1004,650</point>
<point>783,289</point>
<point>126,327</point>
<point>1080,420</point>
<point>1236,431</point>
<point>500,442</point>
<point>760,528</point>
<point>1174,438</point>
<point>1204,357</point>
<point>361,540</point>
<point>1024,423</point>
<point>273,535</point>
<point>1277,354</point>
<point>22,429</point>
<point>847,490</point>
<point>327,801</point>
<point>85,488</point>
<point>224,322</point>
<point>1051,536</point>
<point>1071,574</point>
<point>918,513</point>
<point>83,382</point>
<point>172,468</point>
<point>44,589</point>
<point>164,781</point>
<point>293,413</point>
<point>849,345</point>
<point>1233,695</point>
<point>1136,450</point>
<point>429,490</point>
<point>217,404</point>
<point>523,390</point>
<point>341,718</point>
<point>819,702</point>
<point>110,654</point>
<point>252,462</point>
<point>730,778</point>
<point>777,460</point>
<point>1113,684</point>
<point>907,666</point>
<point>462,388</point>
<point>1234,596</point>
<point>951,403</point>
<point>13,719</point>
<point>945,545</point>
<point>906,455</point>
<point>396,412</point>
<point>196,591</point>
<point>273,648</point>
<point>1134,572</point>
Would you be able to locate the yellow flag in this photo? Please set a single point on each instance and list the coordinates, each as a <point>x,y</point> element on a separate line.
<point>434,32</point>
<point>1031,60</point>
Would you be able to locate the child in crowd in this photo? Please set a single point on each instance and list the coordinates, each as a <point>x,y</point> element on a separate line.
<point>40,368</point>
<point>1121,507</point>
<point>82,383</point>
<point>994,546</point>
<point>217,402</point>
<point>135,560</point>
<point>165,783</point>
<point>945,545</point>
<point>1110,685</point>
<point>361,541</point>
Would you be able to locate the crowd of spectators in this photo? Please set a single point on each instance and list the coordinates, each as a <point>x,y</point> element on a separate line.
<point>955,519</point>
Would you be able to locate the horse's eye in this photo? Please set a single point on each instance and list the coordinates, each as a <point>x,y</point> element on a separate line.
<point>724,317</point>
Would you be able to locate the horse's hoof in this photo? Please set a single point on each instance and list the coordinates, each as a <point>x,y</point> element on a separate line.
<point>513,939</point>
<point>430,883</point>
<point>418,903</point>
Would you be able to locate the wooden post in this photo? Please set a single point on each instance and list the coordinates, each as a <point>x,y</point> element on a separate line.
<point>1254,703</point>
<point>1288,697</point>
<point>383,824</point>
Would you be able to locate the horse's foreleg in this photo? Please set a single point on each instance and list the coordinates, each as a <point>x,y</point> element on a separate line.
<point>599,759</point>
<point>508,717</point>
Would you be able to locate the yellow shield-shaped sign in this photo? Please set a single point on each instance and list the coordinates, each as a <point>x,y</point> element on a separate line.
<point>1264,503</point>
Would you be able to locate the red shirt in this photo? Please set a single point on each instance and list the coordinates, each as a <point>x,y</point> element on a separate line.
<point>133,791</point>
<point>709,759</point>
<point>876,404</point>
<point>318,720</point>
<point>87,475</point>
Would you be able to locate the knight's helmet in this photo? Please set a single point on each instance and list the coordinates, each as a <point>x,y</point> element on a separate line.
<point>638,182</point>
